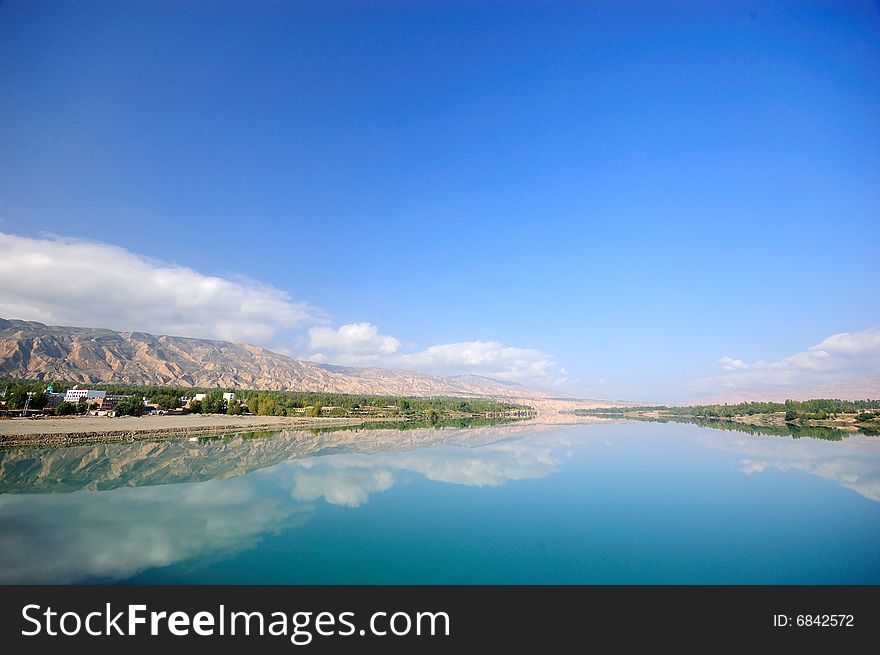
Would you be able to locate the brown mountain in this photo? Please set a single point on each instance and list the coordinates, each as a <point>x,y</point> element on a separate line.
<point>89,355</point>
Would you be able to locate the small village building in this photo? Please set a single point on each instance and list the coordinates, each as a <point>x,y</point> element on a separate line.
<point>77,395</point>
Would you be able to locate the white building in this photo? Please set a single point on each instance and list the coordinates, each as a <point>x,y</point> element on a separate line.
<point>76,395</point>
<point>227,397</point>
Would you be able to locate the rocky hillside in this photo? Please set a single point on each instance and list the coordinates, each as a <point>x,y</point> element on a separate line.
<point>89,355</point>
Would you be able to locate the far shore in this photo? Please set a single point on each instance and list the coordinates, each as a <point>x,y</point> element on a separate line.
<point>71,430</point>
<point>57,431</point>
<point>845,422</point>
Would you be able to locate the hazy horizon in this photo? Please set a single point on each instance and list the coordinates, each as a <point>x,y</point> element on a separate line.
<point>662,203</point>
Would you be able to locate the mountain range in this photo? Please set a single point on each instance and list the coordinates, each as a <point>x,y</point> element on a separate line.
<point>867,386</point>
<point>32,350</point>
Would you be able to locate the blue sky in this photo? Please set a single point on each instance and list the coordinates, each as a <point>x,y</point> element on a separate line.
<point>613,196</point>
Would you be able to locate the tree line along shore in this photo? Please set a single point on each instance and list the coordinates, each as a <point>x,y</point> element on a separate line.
<point>183,410</point>
<point>845,415</point>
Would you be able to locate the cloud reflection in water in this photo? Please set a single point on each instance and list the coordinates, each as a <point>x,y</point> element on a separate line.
<point>119,532</point>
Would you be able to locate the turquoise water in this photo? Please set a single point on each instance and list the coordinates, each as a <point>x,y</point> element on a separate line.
<point>621,503</point>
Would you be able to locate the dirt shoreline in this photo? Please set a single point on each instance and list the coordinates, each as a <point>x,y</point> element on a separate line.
<point>73,430</point>
<point>90,429</point>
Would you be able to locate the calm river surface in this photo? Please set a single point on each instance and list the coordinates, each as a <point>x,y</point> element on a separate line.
<point>618,503</point>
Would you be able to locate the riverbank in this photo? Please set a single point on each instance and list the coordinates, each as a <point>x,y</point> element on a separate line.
<point>846,422</point>
<point>73,430</point>
<point>96,429</point>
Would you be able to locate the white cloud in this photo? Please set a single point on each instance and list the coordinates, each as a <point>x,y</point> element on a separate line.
<point>839,357</point>
<point>128,530</point>
<point>60,281</point>
<point>749,466</point>
<point>847,351</point>
<point>350,487</point>
<point>490,466</point>
<point>353,339</point>
<point>485,357</point>
<point>115,534</point>
<point>349,480</point>
<point>63,281</point>
<point>362,344</point>
<point>853,463</point>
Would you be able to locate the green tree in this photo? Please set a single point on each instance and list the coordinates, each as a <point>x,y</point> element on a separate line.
<point>316,409</point>
<point>130,406</point>
<point>166,401</point>
<point>16,398</point>
<point>65,409</point>
<point>213,402</point>
<point>233,408</point>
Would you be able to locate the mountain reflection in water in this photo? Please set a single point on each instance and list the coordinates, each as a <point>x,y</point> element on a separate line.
<point>111,511</point>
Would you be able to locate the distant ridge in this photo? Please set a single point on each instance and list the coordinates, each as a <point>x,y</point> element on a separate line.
<point>860,388</point>
<point>32,350</point>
